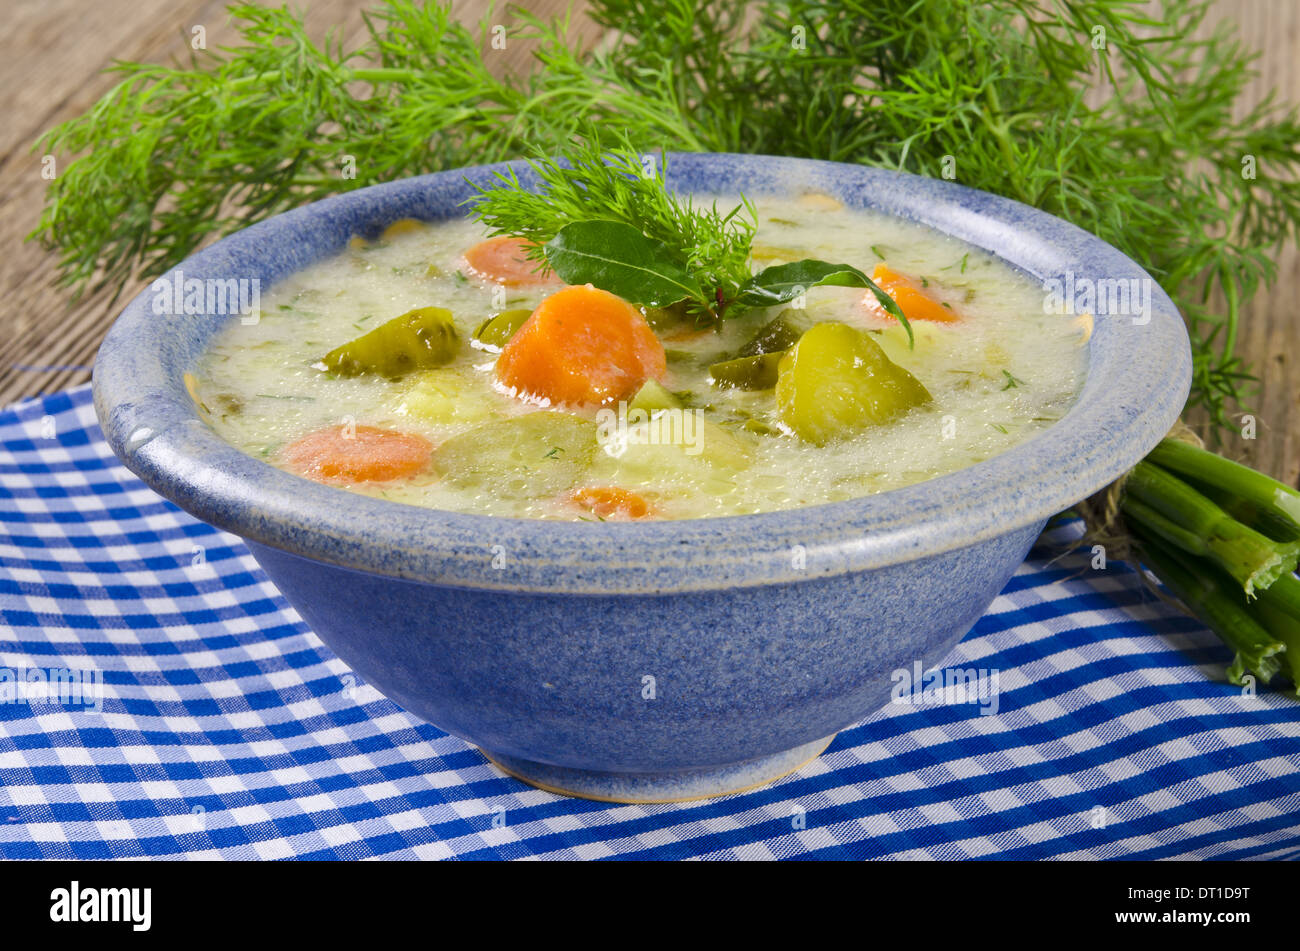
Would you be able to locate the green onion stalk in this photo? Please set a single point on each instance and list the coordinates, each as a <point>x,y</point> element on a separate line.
<point>1223,540</point>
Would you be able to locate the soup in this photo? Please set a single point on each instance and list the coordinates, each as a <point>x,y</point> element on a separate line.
<point>431,367</point>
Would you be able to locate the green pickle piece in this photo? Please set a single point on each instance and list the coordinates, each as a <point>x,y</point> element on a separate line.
<point>780,333</point>
<point>524,457</point>
<point>837,381</point>
<point>654,396</point>
<point>419,339</point>
<point>497,330</point>
<point>757,372</point>
<point>759,428</point>
<point>664,318</point>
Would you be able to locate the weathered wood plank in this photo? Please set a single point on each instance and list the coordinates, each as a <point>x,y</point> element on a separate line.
<point>1270,332</point>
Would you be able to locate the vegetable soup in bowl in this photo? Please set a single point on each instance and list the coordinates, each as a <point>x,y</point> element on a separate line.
<point>636,548</point>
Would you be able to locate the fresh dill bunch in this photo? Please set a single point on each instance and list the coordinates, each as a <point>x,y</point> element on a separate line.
<point>624,185</point>
<point>607,218</point>
<point>175,156</point>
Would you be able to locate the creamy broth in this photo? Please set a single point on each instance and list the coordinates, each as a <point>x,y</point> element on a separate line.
<point>1002,373</point>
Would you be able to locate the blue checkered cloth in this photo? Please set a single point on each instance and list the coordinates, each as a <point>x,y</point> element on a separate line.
<point>221,727</point>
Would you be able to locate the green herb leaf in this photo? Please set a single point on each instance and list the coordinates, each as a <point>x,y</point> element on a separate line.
<point>618,258</point>
<point>784,282</point>
<point>591,181</point>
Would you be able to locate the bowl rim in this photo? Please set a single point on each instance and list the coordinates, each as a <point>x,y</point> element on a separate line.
<point>1135,388</point>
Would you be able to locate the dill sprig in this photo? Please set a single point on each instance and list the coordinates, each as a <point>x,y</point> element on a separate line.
<point>624,185</point>
<point>994,93</point>
<point>607,218</point>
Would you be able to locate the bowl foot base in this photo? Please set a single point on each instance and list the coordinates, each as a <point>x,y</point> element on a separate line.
<point>679,786</point>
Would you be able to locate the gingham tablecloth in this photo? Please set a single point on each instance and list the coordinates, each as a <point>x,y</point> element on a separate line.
<point>223,728</point>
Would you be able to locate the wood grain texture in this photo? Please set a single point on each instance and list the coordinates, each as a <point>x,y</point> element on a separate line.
<point>1270,334</point>
<point>52,54</point>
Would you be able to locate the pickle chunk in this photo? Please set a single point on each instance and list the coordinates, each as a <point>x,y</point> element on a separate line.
<point>780,333</point>
<point>746,373</point>
<point>837,381</point>
<point>419,339</point>
<point>495,332</point>
<point>755,364</point>
<point>524,457</point>
<point>653,396</point>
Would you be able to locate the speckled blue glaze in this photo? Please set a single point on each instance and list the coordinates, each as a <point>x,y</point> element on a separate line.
<point>764,634</point>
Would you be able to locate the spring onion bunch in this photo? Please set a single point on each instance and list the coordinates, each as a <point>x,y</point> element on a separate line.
<point>1224,539</point>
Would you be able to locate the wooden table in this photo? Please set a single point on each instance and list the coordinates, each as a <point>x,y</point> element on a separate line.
<point>51,56</point>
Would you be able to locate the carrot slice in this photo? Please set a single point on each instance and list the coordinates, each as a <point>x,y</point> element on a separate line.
<point>581,345</point>
<point>502,260</point>
<point>610,501</point>
<point>911,298</point>
<point>344,454</point>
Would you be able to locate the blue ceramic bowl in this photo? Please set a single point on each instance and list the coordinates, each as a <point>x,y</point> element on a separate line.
<point>659,661</point>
